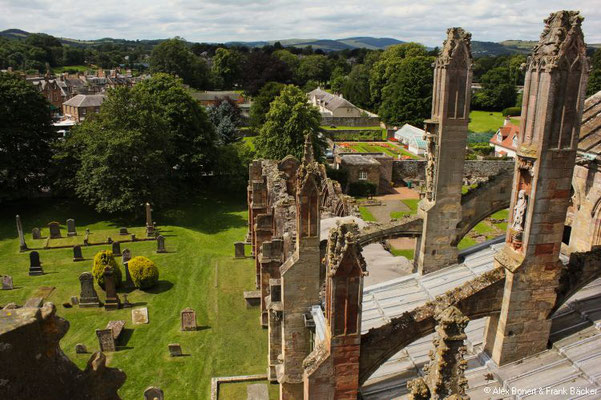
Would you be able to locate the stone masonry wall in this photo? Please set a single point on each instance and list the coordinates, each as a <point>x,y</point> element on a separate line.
<point>416,169</point>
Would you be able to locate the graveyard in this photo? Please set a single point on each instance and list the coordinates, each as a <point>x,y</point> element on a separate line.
<point>197,271</point>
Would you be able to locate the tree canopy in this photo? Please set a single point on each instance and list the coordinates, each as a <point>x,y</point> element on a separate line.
<point>260,105</point>
<point>174,57</point>
<point>498,90</point>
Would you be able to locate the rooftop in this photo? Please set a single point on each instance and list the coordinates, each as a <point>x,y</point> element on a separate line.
<point>358,159</point>
<point>590,131</point>
<point>86,100</point>
<point>330,101</point>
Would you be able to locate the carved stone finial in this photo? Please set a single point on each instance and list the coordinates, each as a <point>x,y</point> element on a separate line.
<point>343,239</point>
<point>456,38</point>
<point>308,156</point>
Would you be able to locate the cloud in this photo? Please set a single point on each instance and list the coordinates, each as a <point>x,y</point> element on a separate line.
<point>245,20</point>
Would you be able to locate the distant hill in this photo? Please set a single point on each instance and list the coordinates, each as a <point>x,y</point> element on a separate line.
<point>363,42</point>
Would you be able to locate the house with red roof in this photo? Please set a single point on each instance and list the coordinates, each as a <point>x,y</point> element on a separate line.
<point>505,140</point>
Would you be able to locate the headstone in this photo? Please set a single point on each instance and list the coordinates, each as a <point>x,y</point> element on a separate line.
<point>80,348</point>
<point>22,244</point>
<point>149,224</point>
<point>123,231</point>
<point>125,256</point>
<point>188,317</point>
<point>106,340</point>
<point>257,391</point>
<point>133,237</point>
<point>109,240</point>
<point>7,282</point>
<point>35,267</point>
<point>67,305</point>
<point>139,316</point>
<point>153,393</point>
<point>161,244</point>
<point>55,230</point>
<point>112,301</point>
<point>77,254</point>
<point>239,250</point>
<point>116,248</point>
<point>71,227</point>
<point>175,350</point>
<point>34,302</point>
<point>36,234</point>
<point>88,296</point>
<point>74,300</point>
<point>86,238</point>
<point>126,303</point>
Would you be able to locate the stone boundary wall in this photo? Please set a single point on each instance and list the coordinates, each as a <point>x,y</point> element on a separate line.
<point>216,381</point>
<point>416,169</point>
<point>350,121</point>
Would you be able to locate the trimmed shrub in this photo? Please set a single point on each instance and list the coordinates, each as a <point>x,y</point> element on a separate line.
<point>512,111</point>
<point>144,273</point>
<point>339,175</point>
<point>362,189</point>
<point>104,259</point>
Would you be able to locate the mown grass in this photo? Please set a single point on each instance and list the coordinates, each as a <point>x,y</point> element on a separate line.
<point>487,121</point>
<point>411,203</point>
<point>393,151</point>
<point>366,215</point>
<point>407,253</point>
<point>198,271</point>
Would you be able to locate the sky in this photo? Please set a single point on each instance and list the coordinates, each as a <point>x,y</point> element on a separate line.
<point>220,21</point>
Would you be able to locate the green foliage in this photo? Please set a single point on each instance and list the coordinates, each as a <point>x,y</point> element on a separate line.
<point>314,68</point>
<point>174,57</point>
<point>144,273</point>
<point>260,68</point>
<point>26,137</point>
<point>227,64</point>
<point>362,189</point>
<point>225,116</point>
<point>260,105</point>
<point>594,80</point>
<point>356,86</point>
<point>407,95</point>
<point>498,90</point>
<point>102,260</point>
<point>289,119</point>
<point>366,134</point>
<point>511,111</point>
<point>232,166</point>
<point>339,175</point>
<point>366,215</point>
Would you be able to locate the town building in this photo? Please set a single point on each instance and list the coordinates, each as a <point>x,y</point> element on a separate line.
<point>505,140</point>
<point>333,105</point>
<point>53,90</point>
<point>375,168</point>
<point>412,138</point>
<point>213,98</point>
<point>82,106</point>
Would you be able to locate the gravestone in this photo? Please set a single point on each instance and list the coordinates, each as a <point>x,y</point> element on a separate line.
<point>80,348</point>
<point>188,317</point>
<point>109,240</point>
<point>35,267</point>
<point>133,237</point>
<point>55,230</point>
<point>116,248</point>
<point>149,224</point>
<point>257,391</point>
<point>71,227</point>
<point>175,350</point>
<point>34,302</point>
<point>123,231</point>
<point>125,257</point>
<point>139,316</point>
<point>153,393</point>
<point>112,301</point>
<point>126,303</point>
<point>22,244</point>
<point>77,254</point>
<point>239,250</point>
<point>36,234</point>
<point>7,282</point>
<point>74,300</point>
<point>161,244</point>
<point>88,296</point>
<point>106,340</point>
<point>86,238</point>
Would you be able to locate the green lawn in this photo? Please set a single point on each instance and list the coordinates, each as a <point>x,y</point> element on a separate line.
<point>411,203</point>
<point>366,215</point>
<point>487,121</point>
<point>407,253</point>
<point>78,68</point>
<point>198,271</point>
<point>370,147</point>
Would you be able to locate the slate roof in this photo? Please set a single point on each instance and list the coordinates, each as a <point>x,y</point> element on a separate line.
<point>85,100</point>
<point>330,101</point>
<point>508,132</point>
<point>357,159</point>
<point>590,131</point>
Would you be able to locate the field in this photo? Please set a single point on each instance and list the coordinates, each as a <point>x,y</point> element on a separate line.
<point>487,121</point>
<point>77,68</point>
<point>378,147</point>
<point>198,271</point>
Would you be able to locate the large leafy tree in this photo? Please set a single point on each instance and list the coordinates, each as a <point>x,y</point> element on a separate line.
<point>260,68</point>
<point>225,116</point>
<point>356,86</point>
<point>498,90</point>
<point>227,65</point>
<point>594,82</point>
<point>174,57</point>
<point>314,68</point>
<point>407,96</point>
<point>26,137</point>
<point>260,105</point>
<point>289,119</point>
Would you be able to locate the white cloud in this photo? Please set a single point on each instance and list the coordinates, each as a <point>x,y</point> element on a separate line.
<point>245,20</point>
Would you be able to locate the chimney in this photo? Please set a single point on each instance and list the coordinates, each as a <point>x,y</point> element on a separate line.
<point>507,121</point>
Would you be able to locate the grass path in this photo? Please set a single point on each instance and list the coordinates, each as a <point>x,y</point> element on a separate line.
<point>199,237</point>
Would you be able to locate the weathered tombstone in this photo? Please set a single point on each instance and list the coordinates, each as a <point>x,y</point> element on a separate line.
<point>126,303</point>
<point>175,350</point>
<point>153,393</point>
<point>35,267</point>
<point>125,256</point>
<point>86,238</point>
<point>77,254</point>
<point>80,348</point>
<point>88,296</point>
<point>71,227</point>
<point>123,231</point>
<point>116,248</point>
<point>22,244</point>
<point>34,302</point>
<point>188,317</point>
<point>257,391</point>
<point>106,340</point>
<point>7,282</point>
<point>133,237</point>
<point>36,234</point>
<point>149,224</point>
<point>161,244</point>
<point>74,300</point>
<point>55,230</point>
<point>239,250</point>
<point>112,301</point>
<point>109,240</point>
<point>139,316</point>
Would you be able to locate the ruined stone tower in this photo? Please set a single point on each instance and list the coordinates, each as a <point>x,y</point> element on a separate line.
<point>554,92</point>
<point>300,279</point>
<point>446,135</point>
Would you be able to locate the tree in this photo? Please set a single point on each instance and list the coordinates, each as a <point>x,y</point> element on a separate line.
<point>289,119</point>
<point>260,68</point>
<point>225,116</point>
<point>26,137</point>
<point>227,64</point>
<point>314,68</point>
<point>356,87</point>
<point>498,90</point>
<point>291,60</point>
<point>260,105</point>
<point>594,80</point>
<point>407,96</point>
<point>174,57</point>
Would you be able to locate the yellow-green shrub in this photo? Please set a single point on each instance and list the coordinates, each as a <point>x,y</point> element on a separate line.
<point>143,272</point>
<point>104,259</point>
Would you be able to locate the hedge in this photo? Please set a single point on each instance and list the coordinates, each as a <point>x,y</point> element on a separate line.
<point>357,135</point>
<point>104,259</point>
<point>144,273</point>
<point>512,111</point>
<point>362,189</point>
